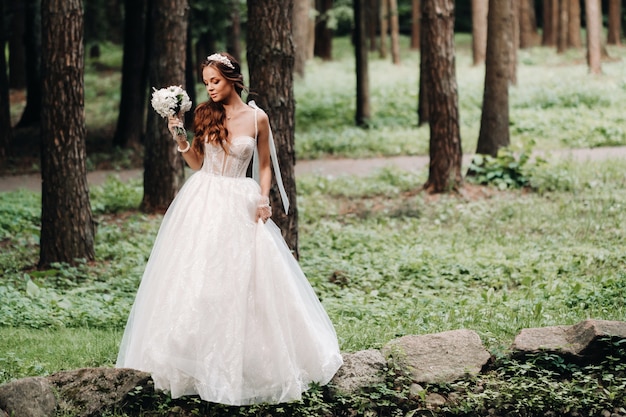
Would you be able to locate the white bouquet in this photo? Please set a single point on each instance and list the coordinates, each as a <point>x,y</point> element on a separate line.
<point>171,101</point>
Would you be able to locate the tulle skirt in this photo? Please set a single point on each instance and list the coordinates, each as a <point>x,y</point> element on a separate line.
<point>223,309</point>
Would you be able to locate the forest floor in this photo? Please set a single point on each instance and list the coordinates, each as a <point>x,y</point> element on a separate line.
<point>330,167</point>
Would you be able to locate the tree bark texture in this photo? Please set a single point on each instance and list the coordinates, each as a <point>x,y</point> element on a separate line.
<point>527,28</point>
<point>301,17</point>
<point>384,28</point>
<point>614,35</point>
<point>372,22</point>
<point>563,26</point>
<point>32,40</point>
<point>550,22</point>
<point>6,135</point>
<point>415,24</point>
<point>394,29</point>
<point>323,34</point>
<point>423,113</point>
<point>594,35</point>
<point>17,49</point>
<point>67,227</point>
<point>363,112</point>
<point>445,140</point>
<point>233,40</point>
<point>479,30</point>
<point>494,121</point>
<point>573,25</point>
<point>131,117</point>
<point>270,55</point>
<point>163,166</point>
<point>514,40</point>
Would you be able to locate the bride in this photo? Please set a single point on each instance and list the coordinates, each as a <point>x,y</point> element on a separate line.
<point>223,309</point>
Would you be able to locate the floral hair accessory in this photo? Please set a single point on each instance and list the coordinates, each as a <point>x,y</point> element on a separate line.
<point>221,59</point>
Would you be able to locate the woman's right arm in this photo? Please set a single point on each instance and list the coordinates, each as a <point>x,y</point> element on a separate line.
<point>189,154</point>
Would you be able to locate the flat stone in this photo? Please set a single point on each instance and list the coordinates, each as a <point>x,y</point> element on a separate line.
<point>32,397</point>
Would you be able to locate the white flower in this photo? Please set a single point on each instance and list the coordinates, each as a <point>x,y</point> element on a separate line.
<point>170,101</point>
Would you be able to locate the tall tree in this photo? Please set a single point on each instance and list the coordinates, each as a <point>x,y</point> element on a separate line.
<point>384,27</point>
<point>514,40</point>
<point>562,26</point>
<point>131,119</point>
<point>479,30</point>
<point>423,110</point>
<point>527,28</point>
<point>323,32</point>
<point>233,39</point>
<point>550,22</point>
<point>163,167</point>
<point>415,24</point>
<point>301,17</point>
<point>444,172</point>
<point>394,29</point>
<point>17,50</point>
<point>573,25</point>
<point>494,121</point>
<point>371,16</point>
<point>614,35</point>
<point>5,109</point>
<point>593,14</point>
<point>32,40</point>
<point>270,60</point>
<point>67,227</point>
<point>363,112</point>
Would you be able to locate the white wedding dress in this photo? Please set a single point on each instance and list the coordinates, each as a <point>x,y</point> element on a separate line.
<point>223,309</point>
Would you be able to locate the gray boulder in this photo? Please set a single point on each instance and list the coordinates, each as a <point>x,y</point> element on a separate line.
<point>583,340</point>
<point>32,397</point>
<point>439,357</point>
<point>360,370</point>
<point>88,392</point>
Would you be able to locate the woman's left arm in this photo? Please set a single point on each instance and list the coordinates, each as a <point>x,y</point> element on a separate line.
<point>264,211</point>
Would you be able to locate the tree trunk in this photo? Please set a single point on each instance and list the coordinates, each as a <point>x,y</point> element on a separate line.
<point>32,112</point>
<point>415,24</point>
<point>191,69</point>
<point>614,35</point>
<point>423,113</point>
<point>514,39</point>
<point>494,121</point>
<point>17,49</point>
<point>445,140</point>
<point>67,227</point>
<point>384,28</point>
<point>527,24</point>
<point>573,25</point>
<point>394,29</point>
<point>363,113</point>
<point>163,167</point>
<point>131,119</point>
<point>562,28</point>
<point>270,60</point>
<point>550,22</point>
<point>6,135</point>
<point>233,40</point>
<point>323,34</point>
<point>301,17</point>
<point>479,30</point>
<point>594,35</point>
<point>372,20</point>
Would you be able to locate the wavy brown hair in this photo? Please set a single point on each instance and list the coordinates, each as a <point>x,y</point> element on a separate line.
<point>209,117</point>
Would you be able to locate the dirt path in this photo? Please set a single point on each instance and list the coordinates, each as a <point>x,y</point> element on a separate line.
<point>326,167</point>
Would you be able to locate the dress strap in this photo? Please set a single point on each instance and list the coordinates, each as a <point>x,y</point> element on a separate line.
<point>273,156</point>
<point>256,126</point>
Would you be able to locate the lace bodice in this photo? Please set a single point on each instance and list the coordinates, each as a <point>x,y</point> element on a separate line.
<point>232,164</point>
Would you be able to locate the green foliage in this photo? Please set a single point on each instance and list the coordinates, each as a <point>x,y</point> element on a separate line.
<point>506,170</point>
<point>115,196</point>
